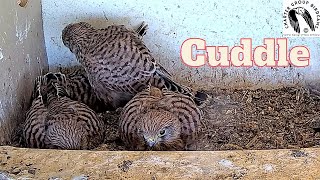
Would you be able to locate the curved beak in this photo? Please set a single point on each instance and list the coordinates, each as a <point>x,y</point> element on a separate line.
<point>150,141</point>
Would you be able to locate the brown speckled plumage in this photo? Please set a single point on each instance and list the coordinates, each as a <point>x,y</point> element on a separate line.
<point>160,120</point>
<point>80,89</point>
<point>118,63</point>
<point>56,121</point>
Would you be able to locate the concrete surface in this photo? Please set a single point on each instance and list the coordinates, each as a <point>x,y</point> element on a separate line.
<point>271,164</point>
<point>170,23</point>
<point>22,57</point>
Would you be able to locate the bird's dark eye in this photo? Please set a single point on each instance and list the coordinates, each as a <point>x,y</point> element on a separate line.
<point>162,132</point>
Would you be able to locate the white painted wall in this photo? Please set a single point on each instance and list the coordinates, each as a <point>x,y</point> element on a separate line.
<point>171,22</point>
<point>22,58</point>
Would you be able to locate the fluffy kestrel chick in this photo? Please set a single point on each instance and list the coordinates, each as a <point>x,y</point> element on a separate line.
<point>160,120</point>
<point>118,63</point>
<point>80,89</point>
<point>56,121</point>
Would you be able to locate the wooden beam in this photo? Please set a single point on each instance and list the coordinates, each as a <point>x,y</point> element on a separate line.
<point>253,164</point>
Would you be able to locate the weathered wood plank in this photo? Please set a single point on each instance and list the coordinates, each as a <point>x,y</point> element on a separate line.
<point>253,164</point>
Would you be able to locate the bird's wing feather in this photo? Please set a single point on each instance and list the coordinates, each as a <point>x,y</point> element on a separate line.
<point>126,48</point>
<point>294,21</point>
<point>163,71</point>
<point>307,17</point>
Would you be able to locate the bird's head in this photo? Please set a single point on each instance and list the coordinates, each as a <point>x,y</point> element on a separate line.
<point>73,35</point>
<point>299,10</point>
<point>160,130</point>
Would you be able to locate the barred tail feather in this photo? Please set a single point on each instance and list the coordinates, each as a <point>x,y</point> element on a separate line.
<point>142,29</point>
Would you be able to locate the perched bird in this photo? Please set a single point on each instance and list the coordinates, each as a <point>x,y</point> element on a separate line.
<point>157,119</point>
<point>56,121</point>
<point>80,89</point>
<point>294,20</point>
<point>118,63</point>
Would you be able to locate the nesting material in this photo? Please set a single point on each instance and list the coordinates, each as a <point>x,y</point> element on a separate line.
<point>249,119</point>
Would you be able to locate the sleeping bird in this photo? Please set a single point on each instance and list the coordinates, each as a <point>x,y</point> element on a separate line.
<point>55,121</point>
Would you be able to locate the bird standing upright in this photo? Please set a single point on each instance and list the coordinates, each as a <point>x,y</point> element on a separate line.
<point>56,121</point>
<point>160,120</point>
<point>118,63</point>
